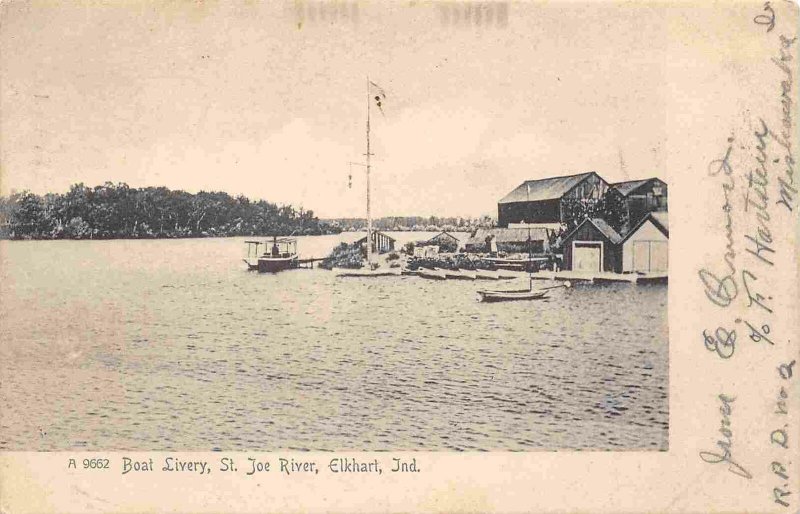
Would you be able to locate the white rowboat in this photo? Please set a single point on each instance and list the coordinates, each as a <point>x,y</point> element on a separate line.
<point>503,296</point>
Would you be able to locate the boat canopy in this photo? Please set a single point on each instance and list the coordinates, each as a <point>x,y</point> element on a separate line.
<point>281,247</point>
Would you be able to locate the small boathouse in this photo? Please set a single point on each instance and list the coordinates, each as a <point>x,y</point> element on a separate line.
<point>445,241</point>
<point>511,240</point>
<point>381,243</point>
<point>595,246</point>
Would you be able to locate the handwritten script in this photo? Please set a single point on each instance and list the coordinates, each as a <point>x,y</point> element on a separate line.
<point>754,173</point>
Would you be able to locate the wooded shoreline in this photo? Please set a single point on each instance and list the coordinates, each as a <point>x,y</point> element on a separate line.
<point>117,211</point>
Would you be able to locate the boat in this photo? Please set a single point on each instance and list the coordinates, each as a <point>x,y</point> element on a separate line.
<point>279,256</point>
<point>511,275</point>
<point>252,254</point>
<point>517,294</point>
<point>485,274</point>
<point>367,273</point>
<point>520,294</point>
<point>432,274</point>
<point>460,274</point>
<point>515,264</point>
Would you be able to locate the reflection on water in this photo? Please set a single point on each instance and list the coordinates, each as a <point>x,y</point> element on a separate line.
<point>171,345</point>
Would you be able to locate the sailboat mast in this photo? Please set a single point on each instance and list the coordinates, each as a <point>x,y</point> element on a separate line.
<point>369,214</point>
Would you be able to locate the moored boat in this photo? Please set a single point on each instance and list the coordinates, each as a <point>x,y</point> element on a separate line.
<point>460,274</point>
<point>282,255</point>
<point>432,274</point>
<point>518,294</point>
<point>485,274</point>
<point>270,264</point>
<point>503,296</point>
<point>367,273</point>
<point>511,275</point>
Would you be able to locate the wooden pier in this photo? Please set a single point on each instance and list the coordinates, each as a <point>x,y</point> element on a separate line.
<point>601,277</point>
<point>308,263</point>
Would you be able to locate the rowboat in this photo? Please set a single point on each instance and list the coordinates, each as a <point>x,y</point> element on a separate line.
<point>485,274</point>
<point>365,273</point>
<point>518,294</point>
<point>504,296</point>
<point>460,274</point>
<point>433,274</point>
<point>511,275</point>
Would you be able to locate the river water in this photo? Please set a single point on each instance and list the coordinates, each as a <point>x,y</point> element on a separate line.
<point>172,345</point>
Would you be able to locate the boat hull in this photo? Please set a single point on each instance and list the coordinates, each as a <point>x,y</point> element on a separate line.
<point>461,274</point>
<point>432,274</point>
<point>365,273</point>
<point>276,264</point>
<point>484,274</point>
<point>507,296</point>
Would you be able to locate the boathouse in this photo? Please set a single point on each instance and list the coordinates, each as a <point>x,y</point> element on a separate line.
<point>446,242</point>
<point>645,249</point>
<point>381,243</point>
<point>509,240</point>
<point>641,197</point>
<point>593,246</point>
<point>550,201</point>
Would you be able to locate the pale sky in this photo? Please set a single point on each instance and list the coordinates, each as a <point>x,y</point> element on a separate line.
<point>269,100</point>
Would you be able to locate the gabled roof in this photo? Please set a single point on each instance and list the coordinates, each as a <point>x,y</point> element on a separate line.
<point>626,188</point>
<point>544,189</point>
<point>375,234</point>
<point>445,233</point>
<point>507,235</point>
<point>659,219</point>
<point>601,226</point>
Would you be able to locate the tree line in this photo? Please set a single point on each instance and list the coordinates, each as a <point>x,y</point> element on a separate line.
<point>415,223</point>
<point>112,211</point>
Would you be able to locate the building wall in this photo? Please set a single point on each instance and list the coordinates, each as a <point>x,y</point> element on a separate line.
<point>612,254</point>
<point>651,197</point>
<point>588,192</point>
<point>545,211</point>
<point>537,246</point>
<point>647,232</point>
<point>381,243</point>
<point>446,241</point>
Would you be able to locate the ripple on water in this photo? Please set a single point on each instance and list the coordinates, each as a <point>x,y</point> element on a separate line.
<point>207,357</point>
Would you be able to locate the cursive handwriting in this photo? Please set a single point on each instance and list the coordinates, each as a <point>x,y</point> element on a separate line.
<point>784,136</point>
<point>754,297</point>
<point>723,342</point>
<point>726,443</point>
<point>722,290</point>
<point>756,199</point>
<point>768,19</point>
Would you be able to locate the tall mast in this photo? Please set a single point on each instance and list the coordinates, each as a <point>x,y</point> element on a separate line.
<point>530,243</point>
<point>369,215</point>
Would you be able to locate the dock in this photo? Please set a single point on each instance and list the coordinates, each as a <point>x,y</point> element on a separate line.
<point>602,277</point>
<point>308,263</point>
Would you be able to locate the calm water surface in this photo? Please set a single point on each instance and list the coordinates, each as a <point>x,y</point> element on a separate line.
<point>171,345</point>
